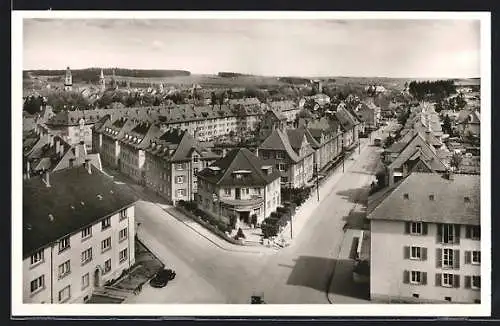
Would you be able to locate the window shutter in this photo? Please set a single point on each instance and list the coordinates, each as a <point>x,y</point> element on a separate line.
<point>424,278</point>
<point>424,228</point>
<point>407,227</point>
<point>456,259</point>
<point>456,281</point>
<point>439,258</point>
<point>457,233</point>
<point>406,252</point>
<point>438,279</point>
<point>467,257</point>
<point>424,253</point>
<point>468,234</point>
<point>467,281</point>
<point>406,277</point>
<point>439,233</point>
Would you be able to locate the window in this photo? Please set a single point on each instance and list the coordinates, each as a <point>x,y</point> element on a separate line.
<point>257,191</point>
<point>416,228</point>
<point>106,244</point>
<point>63,244</point>
<point>87,233</point>
<point>281,167</point>
<point>284,179</point>
<point>85,281</point>
<point>415,253</point>
<point>37,284</point>
<point>415,277</point>
<point>448,233</point>
<point>447,299</point>
<point>473,232</point>
<point>64,269</point>
<point>195,158</point>
<point>37,257</point>
<point>448,258</point>
<point>123,234</point>
<point>256,211</point>
<point>181,192</point>
<point>64,294</point>
<point>476,257</point>
<point>195,170</point>
<point>179,179</point>
<point>448,280</point>
<point>123,255</point>
<point>86,256</point>
<point>279,155</point>
<point>227,191</point>
<point>107,266</point>
<point>123,214</point>
<point>106,223</point>
<point>179,166</point>
<point>476,282</point>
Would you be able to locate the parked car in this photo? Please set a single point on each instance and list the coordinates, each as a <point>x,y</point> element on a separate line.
<point>162,278</point>
<point>361,272</point>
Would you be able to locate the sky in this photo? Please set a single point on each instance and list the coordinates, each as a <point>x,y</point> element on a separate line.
<point>363,48</point>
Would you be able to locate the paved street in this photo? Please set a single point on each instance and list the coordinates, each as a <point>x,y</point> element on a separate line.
<point>211,272</point>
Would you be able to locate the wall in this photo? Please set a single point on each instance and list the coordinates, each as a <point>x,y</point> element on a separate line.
<point>387,265</point>
<point>77,270</point>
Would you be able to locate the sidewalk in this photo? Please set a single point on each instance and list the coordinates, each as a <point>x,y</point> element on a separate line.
<point>305,211</point>
<point>342,288</point>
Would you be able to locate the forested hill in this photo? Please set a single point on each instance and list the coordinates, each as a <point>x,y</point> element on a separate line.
<point>92,74</point>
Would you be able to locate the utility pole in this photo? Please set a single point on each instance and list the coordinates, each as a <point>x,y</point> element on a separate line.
<point>317,179</point>
<point>290,212</point>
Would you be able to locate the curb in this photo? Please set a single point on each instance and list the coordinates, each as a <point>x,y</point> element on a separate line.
<point>332,274</point>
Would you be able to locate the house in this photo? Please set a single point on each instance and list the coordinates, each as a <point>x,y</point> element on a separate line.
<point>289,109</point>
<point>272,119</point>
<point>468,123</point>
<point>172,163</point>
<point>239,186</point>
<point>78,233</point>
<point>289,151</point>
<point>369,113</point>
<point>317,101</point>
<point>425,240</point>
<point>417,155</point>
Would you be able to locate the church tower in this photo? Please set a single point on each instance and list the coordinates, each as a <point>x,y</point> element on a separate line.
<point>102,81</point>
<point>68,80</point>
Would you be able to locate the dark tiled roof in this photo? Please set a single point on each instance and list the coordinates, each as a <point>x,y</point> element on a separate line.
<point>449,204</point>
<point>430,154</point>
<point>278,140</point>
<point>69,188</point>
<point>239,159</point>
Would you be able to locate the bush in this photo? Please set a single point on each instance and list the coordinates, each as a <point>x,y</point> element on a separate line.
<point>253,219</point>
<point>281,209</point>
<point>269,230</point>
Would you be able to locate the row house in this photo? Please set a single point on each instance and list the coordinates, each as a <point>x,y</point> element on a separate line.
<point>369,113</point>
<point>132,155</point>
<point>291,154</point>
<point>78,233</point>
<point>350,125</point>
<point>271,120</point>
<point>239,186</point>
<point>325,137</point>
<point>289,109</point>
<point>416,155</point>
<point>172,163</point>
<point>425,240</point>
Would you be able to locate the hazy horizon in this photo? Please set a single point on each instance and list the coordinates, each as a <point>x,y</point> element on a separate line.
<point>418,49</point>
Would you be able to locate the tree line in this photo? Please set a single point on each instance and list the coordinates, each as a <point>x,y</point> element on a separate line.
<point>432,90</point>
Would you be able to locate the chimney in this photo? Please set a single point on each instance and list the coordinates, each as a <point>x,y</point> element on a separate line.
<point>88,166</point>
<point>47,179</point>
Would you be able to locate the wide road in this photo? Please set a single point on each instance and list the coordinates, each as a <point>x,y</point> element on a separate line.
<point>300,273</point>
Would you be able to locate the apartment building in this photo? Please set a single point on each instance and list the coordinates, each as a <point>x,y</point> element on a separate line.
<point>425,240</point>
<point>325,137</point>
<point>289,109</point>
<point>172,162</point>
<point>349,123</point>
<point>239,185</point>
<point>78,233</point>
<point>291,154</point>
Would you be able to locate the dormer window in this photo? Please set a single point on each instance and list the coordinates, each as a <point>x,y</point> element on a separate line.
<point>431,197</point>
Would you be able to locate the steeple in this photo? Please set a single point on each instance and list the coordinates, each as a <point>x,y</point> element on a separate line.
<point>68,80</point>
<point>102,81</point>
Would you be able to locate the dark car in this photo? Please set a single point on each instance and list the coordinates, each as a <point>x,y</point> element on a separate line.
<point>162,278</point>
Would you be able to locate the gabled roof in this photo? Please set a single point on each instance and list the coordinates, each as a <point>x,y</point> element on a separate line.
<point>238,159</point>
<point>410,149</point>
<point>449,204</point>
<point>465,115</point>
<point>278,140</point>
<point>69,188</point>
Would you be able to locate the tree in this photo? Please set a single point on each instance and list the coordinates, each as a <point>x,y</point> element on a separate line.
<point>32,104</point>
<point>447,125</point>
<point>456,160</point>
<point>388,141</point>
<point>213,98</point>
